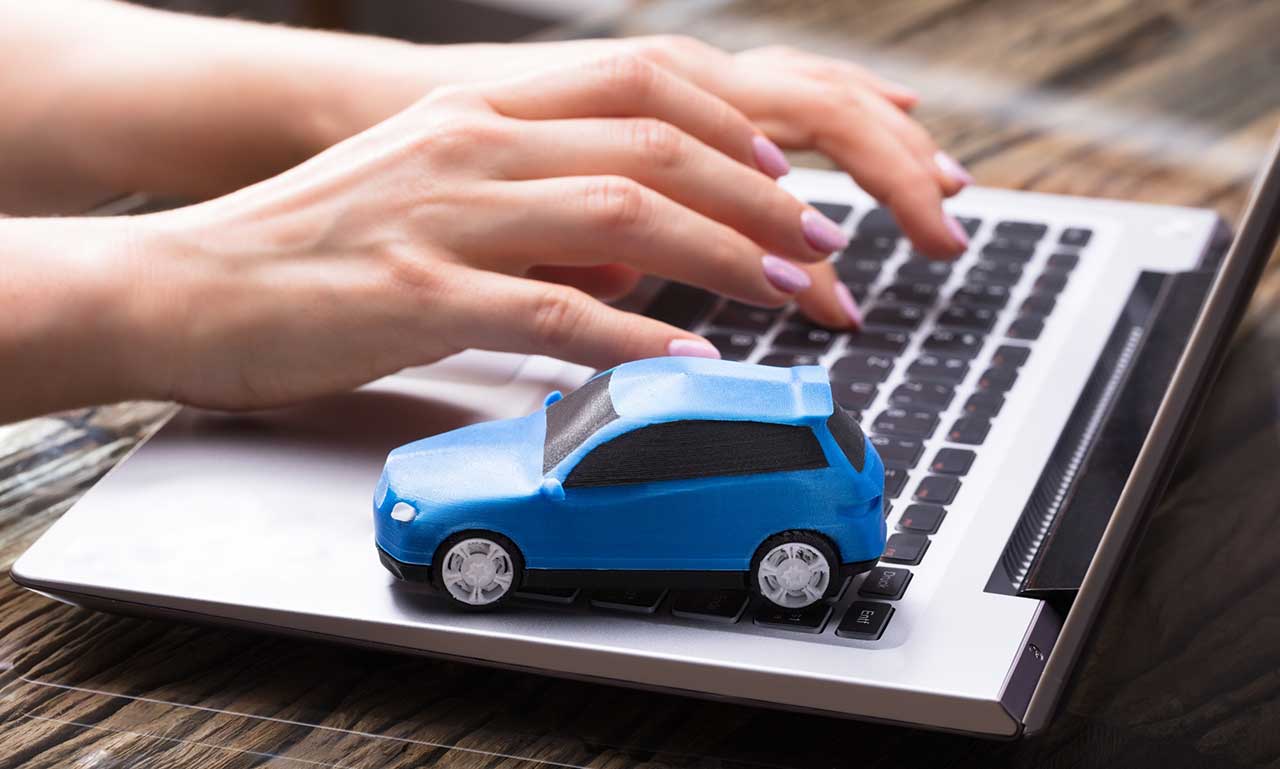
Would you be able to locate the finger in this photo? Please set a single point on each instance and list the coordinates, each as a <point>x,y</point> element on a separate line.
<point>669,161</point>
<point>588,221</point>
<point>949,175</point>
<point>500,312</point>
<point>828,302</point>
<point>630,86</point>
<point>605,282</point>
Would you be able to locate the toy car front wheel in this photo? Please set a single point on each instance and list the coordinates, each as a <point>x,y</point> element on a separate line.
<point>477,569</point>
<point>794,569</point>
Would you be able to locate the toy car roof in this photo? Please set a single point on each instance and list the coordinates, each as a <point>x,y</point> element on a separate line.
<point>667,389</point>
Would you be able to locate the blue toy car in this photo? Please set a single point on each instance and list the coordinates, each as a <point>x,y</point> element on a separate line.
<point>678,472</point>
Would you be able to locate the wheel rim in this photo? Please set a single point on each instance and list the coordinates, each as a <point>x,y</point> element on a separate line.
<point>477,571</point>
<point>794,575</point>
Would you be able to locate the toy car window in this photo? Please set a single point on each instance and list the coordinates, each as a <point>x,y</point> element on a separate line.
<point>576,417</point>
<point>696,449</point>
<point>848,434</point>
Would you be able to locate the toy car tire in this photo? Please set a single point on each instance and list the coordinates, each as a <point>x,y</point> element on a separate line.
<point>795,569</point>
<point>477,570</point>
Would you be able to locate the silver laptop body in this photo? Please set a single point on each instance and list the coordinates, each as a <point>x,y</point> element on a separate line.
<point>264,521</point>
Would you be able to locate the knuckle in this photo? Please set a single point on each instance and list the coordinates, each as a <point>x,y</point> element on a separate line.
<point>660,143</point>
<point>629,73</point>
<point>558,314</point>
<point>617,203</point>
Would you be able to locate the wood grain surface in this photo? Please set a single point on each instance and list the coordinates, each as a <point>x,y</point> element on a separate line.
<point>1158,100</point>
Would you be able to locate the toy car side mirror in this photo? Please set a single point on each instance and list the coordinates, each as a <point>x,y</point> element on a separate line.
<point>552,489</point>
<point>552,397</point>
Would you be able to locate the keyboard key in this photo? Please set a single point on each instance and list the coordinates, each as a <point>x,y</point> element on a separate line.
<point>733,346</point>
<point>862,270</point>
<point>1003,251</point>
<point>865,621</point>
<point>927,396</point>
<point>938,368</point>
<point>888,508</point>
<point>742,317</point>
<point>880,247</point>
<point>895,478</point>
<point>858,290</point>
<point>970,430</point>
<point>952,461</point>
<point>983,295</point>
<point>885,582</point>
<point>836,212</point>
<point>904,316</point>
<point>968,318</point>
<point>560,595</point>
<point>905,424</point>
<point>854,396</point>
<point>1024,230</point>
<point>804,338</point>
<point>810,619</point>
<point>1075,236</point>
<point>984,405</point>
<point>970,224</point>
<point>1051,281</point>
<point>1066,262</point>
<point>910,293</point>
<point>938,489</point>
<point>922,519</point>
<point>997,379</point>
<point>954,343</point>
<point>994,273</point>
<point>862,367</point>
<point>1027,327</point>
<point>892,342</point>
<point>680,305</point>
<point>879,222</point>
<point>924,271</point>
<point>788,359</point>
<point>905,548</point>
<point>897,452</point>
<point>1038,304</point>
<point>711,605</point>
<point>632,601</point>
<point>1010,355</point>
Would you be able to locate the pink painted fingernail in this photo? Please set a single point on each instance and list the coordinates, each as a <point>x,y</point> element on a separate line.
<point>769,158</point>
<point>692,348</point>
<point>951,167</point>
<point>784,275</point>
<point>822,233</point>
<point>956,230</point>
<point>847,303</point>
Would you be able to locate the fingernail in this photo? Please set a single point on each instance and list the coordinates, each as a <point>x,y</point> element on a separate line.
<point>692,348</point>
<point>784,275</point>
<point>769,158</point>
<point>957,231</point>
<point>822,233</point>
<point>847,303</point>
<point>951,167</point>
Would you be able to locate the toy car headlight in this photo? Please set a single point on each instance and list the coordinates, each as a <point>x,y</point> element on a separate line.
<point>404,512</point>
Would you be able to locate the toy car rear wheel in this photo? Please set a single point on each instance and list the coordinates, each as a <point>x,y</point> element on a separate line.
<point>477,569</point>
<point>794,569</point>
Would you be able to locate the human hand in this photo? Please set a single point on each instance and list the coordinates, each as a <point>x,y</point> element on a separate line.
<point>426,234</point>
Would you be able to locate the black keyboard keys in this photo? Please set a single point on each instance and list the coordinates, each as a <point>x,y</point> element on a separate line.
<point>924,271</point>
<point>905,424</point>
<point>926,396</point>
<point>952,461</point>
<point>895,478</point>
<point>854,396</point>
<point>1051,281</point>
<point>860,270</point>
<point>969,430</point>
<point>743,317</point>
<point>862,367</point>
<point>970,224</point>
<point>788,359</point>
<point>938,368</point>
<point>903,316</point>
<point>887,583</point>
<point>995,273</point>
<point>985,405</point>
<point>879,222</point>
<point>922,518</point>
<point>897,452</point>
<point>910,293</point>
<point>1066,262</point>
<point>997,379</point>
<point>968,318</point>
<point>1010,355</point>
<point>905,548</point>
<point>1032,231</point>
<point>804,338</point>
<point>711,605</point>
<point>891,342</point>
<point>982,295</point>
<point>938,489</point>
<point>836,212</point>
<point>1038,304</point>
<point>964,344</point>
<point>1075,236</point>
<point>810,619</point>
<point>1027,327</point>
<point>865,621</point>
<point>733,346</point>
<point>680,305</point>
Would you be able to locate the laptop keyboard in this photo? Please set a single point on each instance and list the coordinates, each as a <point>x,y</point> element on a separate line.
<point>940,349</point>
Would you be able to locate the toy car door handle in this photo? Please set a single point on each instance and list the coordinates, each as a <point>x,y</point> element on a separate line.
<point>552,488</point>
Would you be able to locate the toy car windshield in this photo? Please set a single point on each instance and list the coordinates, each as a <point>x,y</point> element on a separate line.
<point>575,418</point>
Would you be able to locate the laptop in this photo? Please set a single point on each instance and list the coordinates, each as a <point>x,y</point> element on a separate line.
<point>1028,400</point>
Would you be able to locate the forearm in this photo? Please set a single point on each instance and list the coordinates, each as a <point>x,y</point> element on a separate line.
<point>73,331</point>
<point>103,98</point>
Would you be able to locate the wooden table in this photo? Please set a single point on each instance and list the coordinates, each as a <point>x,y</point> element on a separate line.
<point>1162,100</point>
